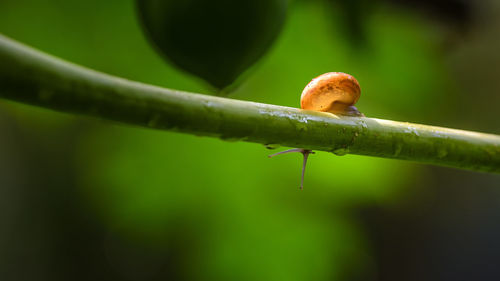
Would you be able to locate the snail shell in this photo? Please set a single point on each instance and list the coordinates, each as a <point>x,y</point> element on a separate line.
<point>333,92</point>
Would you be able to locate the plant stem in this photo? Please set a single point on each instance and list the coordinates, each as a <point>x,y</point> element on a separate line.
<point>29,76</point>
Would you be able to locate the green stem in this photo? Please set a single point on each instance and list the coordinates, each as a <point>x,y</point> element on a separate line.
<point>29,76</point>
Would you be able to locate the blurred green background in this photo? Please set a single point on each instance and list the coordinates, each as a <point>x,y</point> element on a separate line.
<point>87,199</point>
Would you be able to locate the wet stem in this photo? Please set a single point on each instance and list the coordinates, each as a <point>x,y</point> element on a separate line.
<point>32,77</point>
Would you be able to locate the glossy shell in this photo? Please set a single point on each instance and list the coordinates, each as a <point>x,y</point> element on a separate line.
<point>334,92</point>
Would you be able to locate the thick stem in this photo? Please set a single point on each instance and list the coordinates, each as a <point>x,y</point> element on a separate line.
<point>29,76</point>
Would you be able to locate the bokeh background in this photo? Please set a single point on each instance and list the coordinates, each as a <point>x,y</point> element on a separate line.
<point>87,199</point>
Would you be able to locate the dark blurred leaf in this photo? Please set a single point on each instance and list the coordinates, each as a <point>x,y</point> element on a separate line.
<point>216,40</point>
<point>457,13</point>
<point>354,15</point>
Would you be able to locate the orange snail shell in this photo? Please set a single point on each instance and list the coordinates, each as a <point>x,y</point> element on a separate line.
<point>333,92</point>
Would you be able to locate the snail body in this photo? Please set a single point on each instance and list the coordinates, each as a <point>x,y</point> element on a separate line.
<point>334,92</point>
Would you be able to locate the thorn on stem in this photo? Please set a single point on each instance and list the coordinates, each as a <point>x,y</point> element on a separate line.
<point>305,153</point>
<point>287,151</point>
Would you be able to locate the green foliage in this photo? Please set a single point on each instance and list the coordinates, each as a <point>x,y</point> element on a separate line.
<point>216,40</point>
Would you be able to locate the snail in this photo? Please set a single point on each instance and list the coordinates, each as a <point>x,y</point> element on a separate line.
<point>333,92</point>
